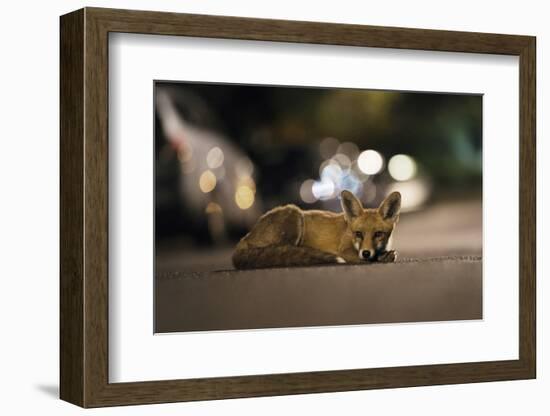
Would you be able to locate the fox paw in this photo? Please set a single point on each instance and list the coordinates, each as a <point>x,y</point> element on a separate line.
<point>340,260</point>
<point>387,257</point>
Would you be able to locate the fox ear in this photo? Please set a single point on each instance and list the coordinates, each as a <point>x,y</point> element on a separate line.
<point>390,207</point>
<point>351,206</point>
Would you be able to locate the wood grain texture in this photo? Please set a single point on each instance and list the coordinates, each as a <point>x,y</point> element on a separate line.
<point>96,218</point>
<point>84,206</point>
<point>527,208</point>
<point>225,27</point>
<point>71,208</point>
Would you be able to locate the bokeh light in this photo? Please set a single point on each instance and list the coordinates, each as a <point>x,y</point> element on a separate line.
<point>328,147</point>
<point>414,193</point>
<point>214,158</point>
<point>351,183</point>
<point>370,162</point>
<point>323,189</point>
<point>402,167</point>
<point>306,191</point>
<point>342,160</point>
<point>247,181</point>
<point>359,174</point>
<point>350,149</point>
<point>244,197</point>
<point>207,181</point>
<point>331,171</point>
<point>213,208</point>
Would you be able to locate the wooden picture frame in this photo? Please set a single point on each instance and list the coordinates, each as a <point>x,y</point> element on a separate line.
<point>84,207</point>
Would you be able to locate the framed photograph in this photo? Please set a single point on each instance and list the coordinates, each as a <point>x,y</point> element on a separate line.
<point>257,207</point>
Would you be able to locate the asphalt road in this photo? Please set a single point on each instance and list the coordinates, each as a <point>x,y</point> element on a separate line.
<point>439,289</point>
<point>438,277</point>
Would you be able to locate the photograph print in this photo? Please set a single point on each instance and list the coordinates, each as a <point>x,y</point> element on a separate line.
<point>293,207</point>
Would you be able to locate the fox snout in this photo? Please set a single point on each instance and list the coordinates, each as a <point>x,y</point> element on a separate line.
<point>366,254</point>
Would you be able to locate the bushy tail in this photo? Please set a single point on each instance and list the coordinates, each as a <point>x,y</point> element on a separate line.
<point>280,256</point>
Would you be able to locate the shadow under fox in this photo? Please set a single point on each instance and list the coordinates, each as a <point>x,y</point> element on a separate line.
<point>290,236</point>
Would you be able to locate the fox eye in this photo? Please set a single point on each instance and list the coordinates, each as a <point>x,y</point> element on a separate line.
<point>358,234</point>
<point>379,234</point>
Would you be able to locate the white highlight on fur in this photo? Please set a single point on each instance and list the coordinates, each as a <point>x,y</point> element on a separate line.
<point>340,260</point>
<point>389,244</point>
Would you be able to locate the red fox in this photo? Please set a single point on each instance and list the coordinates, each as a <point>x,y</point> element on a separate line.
<point>290,236</point>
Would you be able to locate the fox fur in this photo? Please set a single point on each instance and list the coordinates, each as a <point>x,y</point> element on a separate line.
<point>290,236</point>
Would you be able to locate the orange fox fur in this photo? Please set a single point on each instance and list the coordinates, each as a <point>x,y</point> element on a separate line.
<point>290,236</point>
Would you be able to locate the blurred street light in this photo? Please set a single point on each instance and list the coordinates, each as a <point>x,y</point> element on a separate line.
<point>402,167</point>
<point>370,162</point>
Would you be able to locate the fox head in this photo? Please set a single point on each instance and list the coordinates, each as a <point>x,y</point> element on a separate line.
<point>370,229</point>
